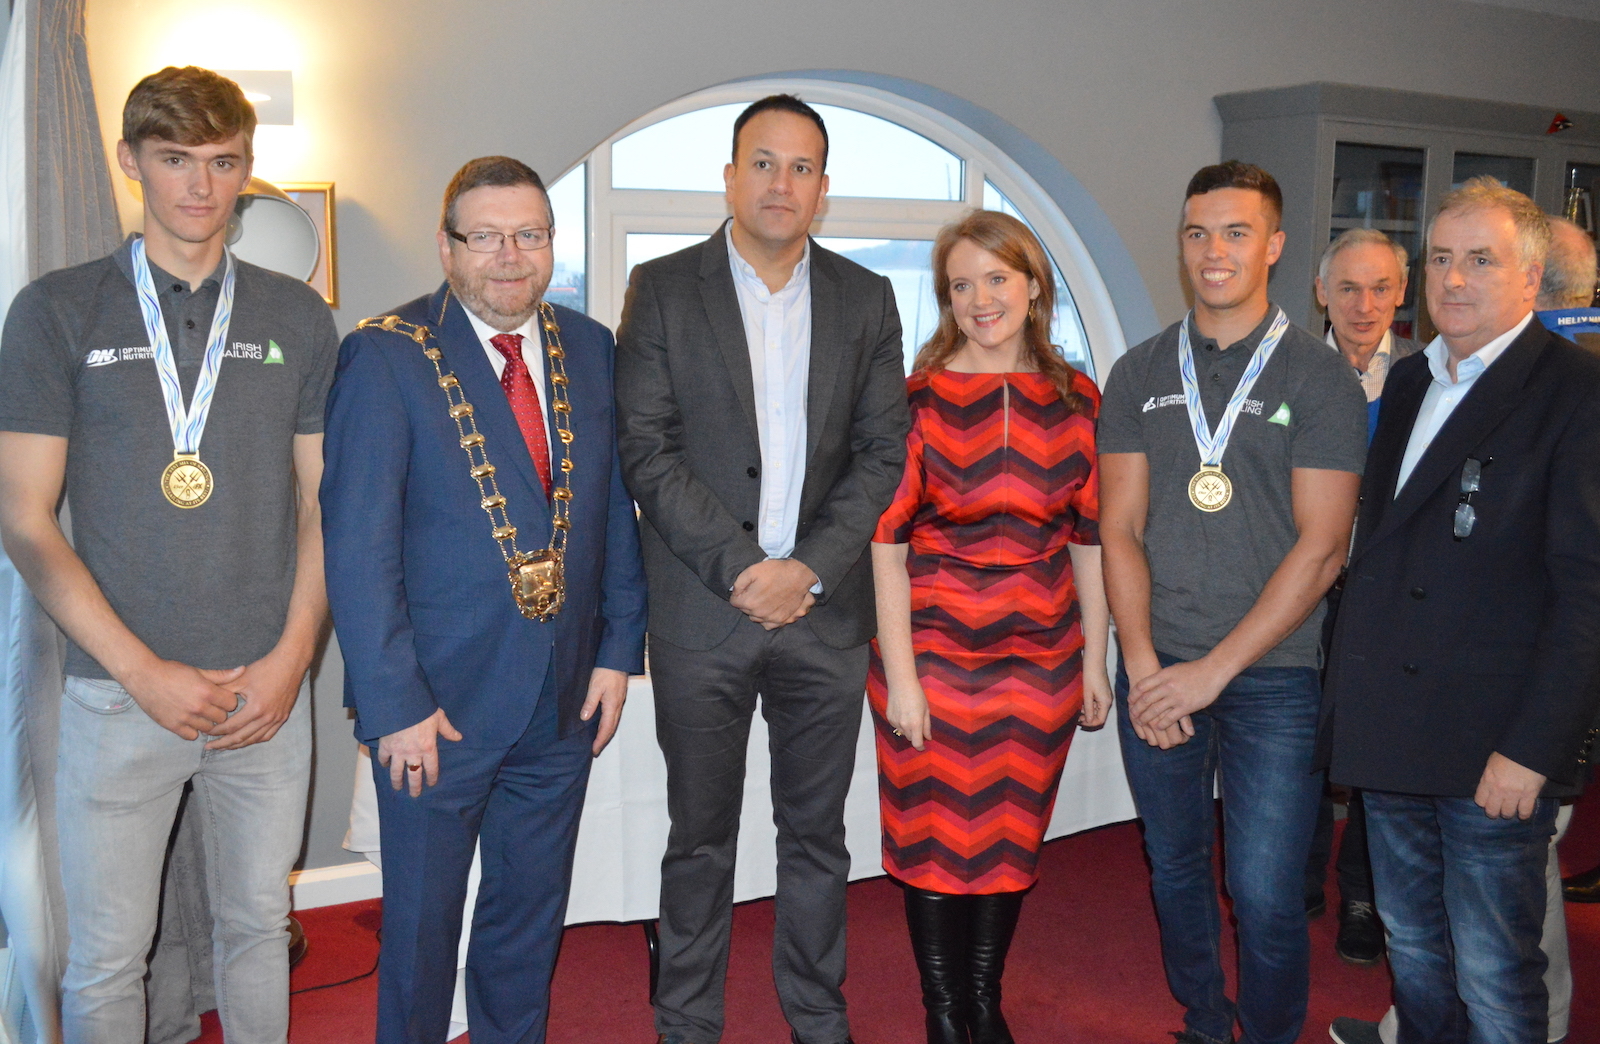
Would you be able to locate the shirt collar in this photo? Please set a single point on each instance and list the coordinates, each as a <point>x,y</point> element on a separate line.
<point>1385,346</point>
<point>746,273</point>
<point>485,331</point>
<point>162,278</point>
<point>1250,340</point>
<point>1473,365</point>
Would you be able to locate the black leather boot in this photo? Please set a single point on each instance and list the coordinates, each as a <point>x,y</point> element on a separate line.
<point>938,924</point>
<point>990,925</point>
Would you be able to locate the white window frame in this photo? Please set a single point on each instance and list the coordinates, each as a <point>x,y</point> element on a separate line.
<point>613,213</point>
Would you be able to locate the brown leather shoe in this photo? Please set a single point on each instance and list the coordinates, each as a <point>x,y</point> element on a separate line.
<point>1582,888</point>
<point>297,942</point>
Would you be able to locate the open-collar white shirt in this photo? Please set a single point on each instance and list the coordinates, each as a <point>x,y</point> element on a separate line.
<point>532,353</point>
<point>1377,366</point>
<point>1444,394</point>
<point>777,332</point>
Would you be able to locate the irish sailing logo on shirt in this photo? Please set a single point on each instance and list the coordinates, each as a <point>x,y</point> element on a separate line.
<point>1281,417</point>
<point>274,353</point>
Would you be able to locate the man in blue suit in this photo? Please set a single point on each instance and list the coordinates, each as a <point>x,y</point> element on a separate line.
<point>470,440</point>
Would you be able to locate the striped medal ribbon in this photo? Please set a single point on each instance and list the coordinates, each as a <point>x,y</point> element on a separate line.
<point>186,482</point>
<point>1210,490</point>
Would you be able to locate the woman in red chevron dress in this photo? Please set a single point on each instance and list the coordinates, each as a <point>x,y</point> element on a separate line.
<point>992,618</point>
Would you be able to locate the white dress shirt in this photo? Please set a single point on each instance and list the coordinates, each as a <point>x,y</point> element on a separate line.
<point>777,330</point>
<point>532,354</point>
<point>1377,366</point>
<point>1444,395</point>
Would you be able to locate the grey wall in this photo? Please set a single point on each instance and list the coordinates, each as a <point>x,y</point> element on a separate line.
<point>392,95</point>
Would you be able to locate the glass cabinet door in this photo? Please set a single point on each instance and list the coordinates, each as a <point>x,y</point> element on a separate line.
<point>1580,187</point>
<point>1380,186</point>
<point>1511,171</point>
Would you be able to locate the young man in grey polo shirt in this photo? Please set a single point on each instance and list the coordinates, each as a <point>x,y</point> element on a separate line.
<point>176,394</point>
<point>1231,451</point>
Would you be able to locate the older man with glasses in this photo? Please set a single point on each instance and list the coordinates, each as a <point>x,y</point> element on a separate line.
<point>486,584</point>
<point>1460,685</point>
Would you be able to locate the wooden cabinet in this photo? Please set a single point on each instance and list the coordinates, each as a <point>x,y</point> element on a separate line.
<point>1366,156</point>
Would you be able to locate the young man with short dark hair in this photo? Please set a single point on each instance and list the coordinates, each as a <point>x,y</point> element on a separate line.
<point>1231,446</point>
<point>175,394</point>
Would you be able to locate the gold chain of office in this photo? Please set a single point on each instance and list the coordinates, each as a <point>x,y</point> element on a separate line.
<point>538,579</point>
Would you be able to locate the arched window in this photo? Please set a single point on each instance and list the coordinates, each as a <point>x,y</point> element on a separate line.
<point>898,172</point>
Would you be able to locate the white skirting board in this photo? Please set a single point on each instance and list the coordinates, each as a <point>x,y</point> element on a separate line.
<point>332,885</point>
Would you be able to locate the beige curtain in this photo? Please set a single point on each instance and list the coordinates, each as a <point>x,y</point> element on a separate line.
<point>67,216</point>
<point>72,215</point>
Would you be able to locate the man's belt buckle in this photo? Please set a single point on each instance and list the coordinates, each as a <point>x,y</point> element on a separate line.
<point>539,583</point>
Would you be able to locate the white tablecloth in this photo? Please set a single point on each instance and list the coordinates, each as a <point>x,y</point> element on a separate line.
<point>617,870</point>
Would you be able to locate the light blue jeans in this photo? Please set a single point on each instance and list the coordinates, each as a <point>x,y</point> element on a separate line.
<point>119,777</point>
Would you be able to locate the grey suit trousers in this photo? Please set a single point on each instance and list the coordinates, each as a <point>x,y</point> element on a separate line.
<point>811,699</point>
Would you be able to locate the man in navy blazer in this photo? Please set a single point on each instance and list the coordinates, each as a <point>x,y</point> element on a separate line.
<point>483,720</point>
<point>1463,673</point>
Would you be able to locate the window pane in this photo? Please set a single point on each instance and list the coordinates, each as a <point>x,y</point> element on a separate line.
<point>906,264</point>
<point>1067,330</point>
<point>871,157</point>
<point>685,153</point>
<point>1511,171</point>
<point>867,156</point>
<point>647,246</point>
<point>569,282</point>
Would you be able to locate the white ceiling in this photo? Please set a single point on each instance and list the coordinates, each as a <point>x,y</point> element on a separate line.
<point>1571,8</point>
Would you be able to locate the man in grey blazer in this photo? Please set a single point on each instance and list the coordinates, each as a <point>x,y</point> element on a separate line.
<point>762,424</point>
<point>1361,282</point>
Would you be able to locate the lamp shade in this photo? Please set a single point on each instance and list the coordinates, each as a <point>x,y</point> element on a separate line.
<point>271,230</point>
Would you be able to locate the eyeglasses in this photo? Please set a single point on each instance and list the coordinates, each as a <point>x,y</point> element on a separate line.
<point>491,242</point>
<point>1471,480</point>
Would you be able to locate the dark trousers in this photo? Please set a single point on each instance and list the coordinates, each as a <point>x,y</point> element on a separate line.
<point>1352,867</point>
<point>523,805</point>
<point>1463,897</point>
<point>811,696</point>
<point>1257,739</point>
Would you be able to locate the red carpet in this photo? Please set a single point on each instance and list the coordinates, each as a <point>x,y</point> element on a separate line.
<point>1085,968</point>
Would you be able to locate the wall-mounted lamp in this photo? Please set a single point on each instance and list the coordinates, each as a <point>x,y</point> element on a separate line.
<point>271,91</point>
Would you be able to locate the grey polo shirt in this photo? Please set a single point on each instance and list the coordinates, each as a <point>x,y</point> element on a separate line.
<point>1306,410</point>
<point>207,586</point>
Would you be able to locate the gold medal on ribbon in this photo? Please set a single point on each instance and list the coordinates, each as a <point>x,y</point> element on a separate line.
<point>186,482</point>
<point>1210,489</point>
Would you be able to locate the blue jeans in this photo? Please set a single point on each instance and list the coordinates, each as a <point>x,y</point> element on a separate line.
<point>119,777</point>
<point>1463,897</point>
<point>1258,738</point>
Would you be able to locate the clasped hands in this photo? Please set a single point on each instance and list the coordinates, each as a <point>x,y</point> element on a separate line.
<point>1161,700</point>
<point>236,707</point>
<point>774,592</point>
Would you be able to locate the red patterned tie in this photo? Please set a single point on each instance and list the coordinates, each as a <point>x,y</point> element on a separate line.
<point>524,401</point>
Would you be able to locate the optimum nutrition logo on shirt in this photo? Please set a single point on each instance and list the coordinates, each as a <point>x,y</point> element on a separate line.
<point>107,356</point>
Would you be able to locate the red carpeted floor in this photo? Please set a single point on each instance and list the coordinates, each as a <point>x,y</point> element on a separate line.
<point>1085,968</point>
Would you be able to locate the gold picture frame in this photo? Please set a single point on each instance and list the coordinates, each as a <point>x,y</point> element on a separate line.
<point>316,199</point>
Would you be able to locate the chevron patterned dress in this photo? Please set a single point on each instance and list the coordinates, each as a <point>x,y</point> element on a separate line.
<point>1000,478</point>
